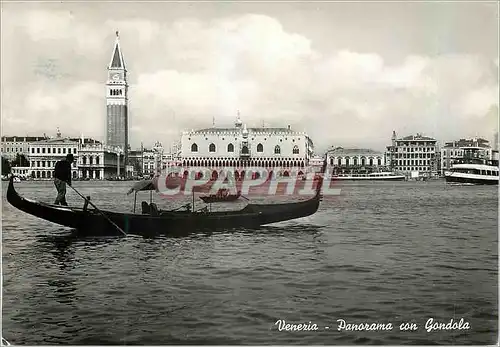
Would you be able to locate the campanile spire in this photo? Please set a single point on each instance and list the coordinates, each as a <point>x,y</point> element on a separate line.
<point>117,61</point>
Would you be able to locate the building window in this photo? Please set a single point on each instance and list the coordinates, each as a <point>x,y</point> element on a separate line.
<point>48,150</point>
<point>194,147</point>
<point>211,148</point>
<point>295,149</point>
<point>64,150</point>
<point>38,150</point>
<point>43,150</point>
<point>277,150</point>
<point>230,148</point>
<point>260,148</point>
<point>59,151</point>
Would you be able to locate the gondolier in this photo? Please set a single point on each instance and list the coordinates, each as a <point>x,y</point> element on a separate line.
<point>62,175</point>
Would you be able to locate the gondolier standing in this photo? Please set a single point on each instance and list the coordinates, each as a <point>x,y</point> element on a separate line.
<point>62,175</point>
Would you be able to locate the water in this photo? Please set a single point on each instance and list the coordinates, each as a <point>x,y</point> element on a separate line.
<point>380,252</point>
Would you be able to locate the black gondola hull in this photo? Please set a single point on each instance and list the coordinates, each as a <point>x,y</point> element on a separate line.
<point>93,222</point>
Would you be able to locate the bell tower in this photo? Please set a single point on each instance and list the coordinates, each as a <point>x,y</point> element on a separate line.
<point>117,101</point>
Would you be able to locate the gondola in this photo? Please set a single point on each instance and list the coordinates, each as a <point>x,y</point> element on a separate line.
<point>154,222</point>
<point>221,197</point>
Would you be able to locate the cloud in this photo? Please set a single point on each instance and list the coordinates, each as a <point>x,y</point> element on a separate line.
<point>185,73</point>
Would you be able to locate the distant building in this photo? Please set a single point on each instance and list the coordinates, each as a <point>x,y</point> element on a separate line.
<point>354,160</point>
<point>454,150</point>
<point>415,154</point>
<point>44,154</point>
<point>93,160</point>
<point>240,147</point>
<point>99,161</point>
<point>13,145</point>
<point>151,161</point>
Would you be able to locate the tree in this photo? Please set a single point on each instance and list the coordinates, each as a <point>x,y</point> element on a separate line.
<point>6,169</point>
<point>20,160</point>
<point>137,167</point>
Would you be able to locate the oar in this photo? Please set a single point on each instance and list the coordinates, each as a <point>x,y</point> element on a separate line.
<point>102,213</point>
<point>247,199</point>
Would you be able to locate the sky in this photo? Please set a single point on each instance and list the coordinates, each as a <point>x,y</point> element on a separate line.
<point>347,73</point>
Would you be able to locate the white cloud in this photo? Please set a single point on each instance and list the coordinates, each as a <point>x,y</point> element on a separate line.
<point>184,73</point>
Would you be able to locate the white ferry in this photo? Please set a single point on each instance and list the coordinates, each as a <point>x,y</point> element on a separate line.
<point>472,173</point>
<point>374,176</point>
<point>473,168</point>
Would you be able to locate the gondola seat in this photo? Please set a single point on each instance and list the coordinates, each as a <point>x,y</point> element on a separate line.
<point>154,209</point>
<point>145,208</point>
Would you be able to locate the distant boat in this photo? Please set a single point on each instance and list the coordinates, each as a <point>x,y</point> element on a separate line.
<point>374,176</point>
<point>473,169</point>
<point>221,196</point>
<point>473,174</point>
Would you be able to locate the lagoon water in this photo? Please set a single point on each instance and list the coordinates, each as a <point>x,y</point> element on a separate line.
<point>380,252</point>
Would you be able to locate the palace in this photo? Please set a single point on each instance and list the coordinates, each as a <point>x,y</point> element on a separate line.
<point>242,147</point>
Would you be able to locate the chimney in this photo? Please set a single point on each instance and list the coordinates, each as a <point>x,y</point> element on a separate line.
<point>288,126</point>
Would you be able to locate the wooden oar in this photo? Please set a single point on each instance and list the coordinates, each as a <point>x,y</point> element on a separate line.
<point>247,199</point>
<point>102,213</point>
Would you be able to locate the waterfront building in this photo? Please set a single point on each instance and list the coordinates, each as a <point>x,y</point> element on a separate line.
<point>44,154</point>
<point>93,159</point>
<point>414,155</point>
<point>117,102</point>
<point>99,161</point>
<point>354,160</point>
<point>454,150</point>
<point>21,171</point>
<point>13,145</point>
<point>151,161</point>
<point>240,147</point>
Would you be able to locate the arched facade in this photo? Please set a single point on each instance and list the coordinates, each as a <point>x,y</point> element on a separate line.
<point>241,147</point>
<point>341,160</point>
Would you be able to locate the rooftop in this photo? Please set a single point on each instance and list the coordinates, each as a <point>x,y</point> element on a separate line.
<point>480,142</point>
<point>353,151</point>
<point>22,138</point>
<point>417,137</point>
<point>237,130</point>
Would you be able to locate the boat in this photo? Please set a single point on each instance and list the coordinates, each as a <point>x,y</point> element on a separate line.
<point>472,169</point>
<point>472,174</point>
<point>374,176</point>
<point>154,222</point>
<point>221,196</point>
